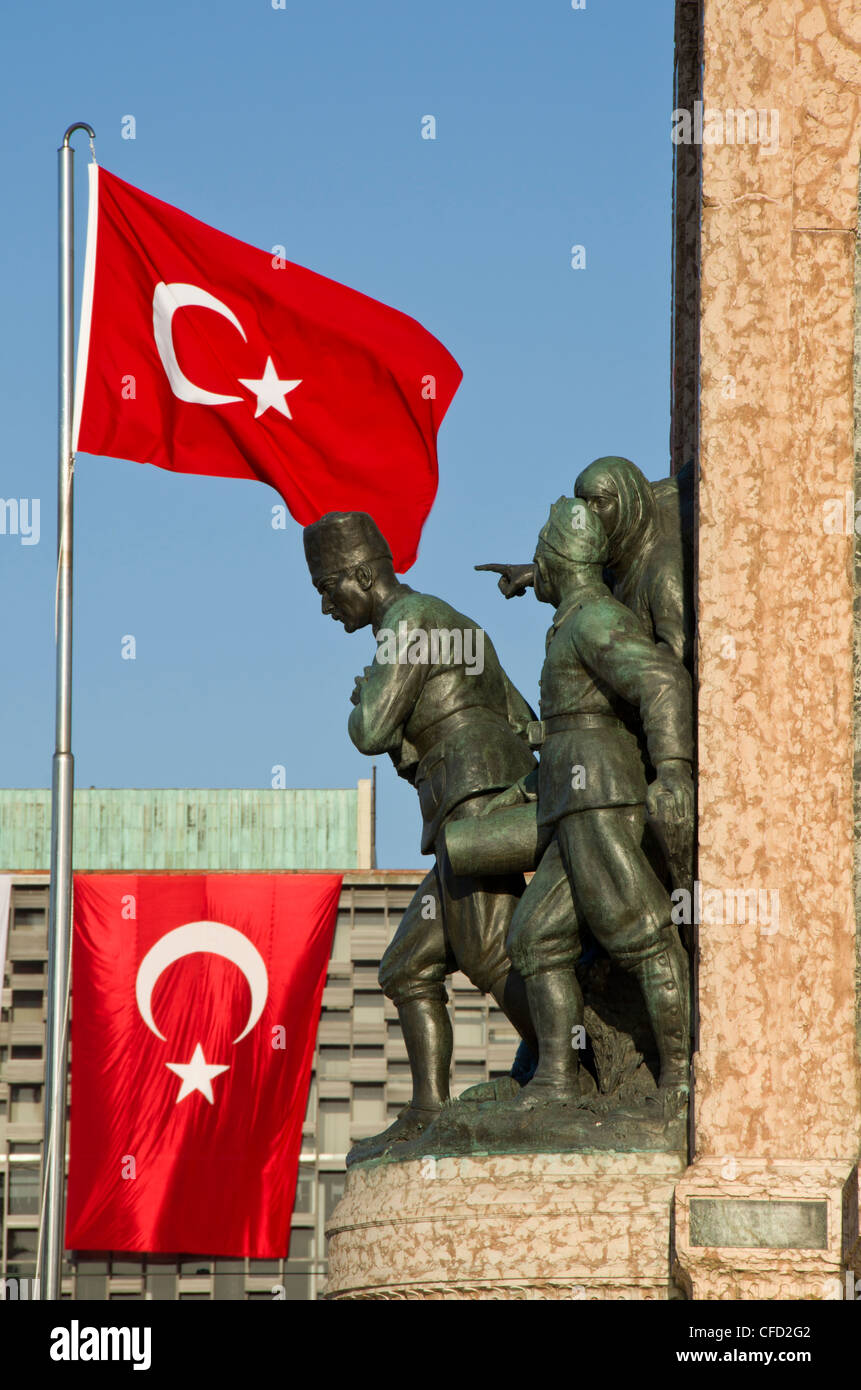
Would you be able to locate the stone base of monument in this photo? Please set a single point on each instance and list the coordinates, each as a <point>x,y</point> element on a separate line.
<point>507,1226</point>
<point>768,1229</point>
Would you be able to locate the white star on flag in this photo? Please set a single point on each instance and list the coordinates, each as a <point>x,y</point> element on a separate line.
<point>270,391</point>
<point>196,1075</point>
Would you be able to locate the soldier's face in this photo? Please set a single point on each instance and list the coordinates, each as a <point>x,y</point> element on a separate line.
<point>345,599</point>
<point>545,589</point>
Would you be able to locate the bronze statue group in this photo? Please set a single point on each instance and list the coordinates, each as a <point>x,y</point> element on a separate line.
<point>595,799</point>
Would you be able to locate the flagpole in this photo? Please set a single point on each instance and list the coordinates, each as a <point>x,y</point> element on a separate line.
<point>50,1255</point>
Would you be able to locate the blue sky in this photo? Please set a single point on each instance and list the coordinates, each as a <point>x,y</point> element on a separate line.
<point>302,126</point>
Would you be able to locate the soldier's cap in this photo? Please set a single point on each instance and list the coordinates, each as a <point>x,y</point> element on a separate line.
<point>341,540</point>
<point>575,533</point>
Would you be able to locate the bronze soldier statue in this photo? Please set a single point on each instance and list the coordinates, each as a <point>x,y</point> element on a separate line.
<point>437,700</point>
<point>592,795</point>
<point>648,530</point>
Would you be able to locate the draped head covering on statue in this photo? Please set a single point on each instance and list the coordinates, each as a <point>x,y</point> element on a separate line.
<point>645,558</point>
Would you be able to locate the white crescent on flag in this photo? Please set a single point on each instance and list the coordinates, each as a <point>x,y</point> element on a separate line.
<point>218,940</point>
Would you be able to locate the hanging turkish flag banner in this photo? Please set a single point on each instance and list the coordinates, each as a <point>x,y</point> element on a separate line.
<point>202,354</point>
<point>195,1005</point>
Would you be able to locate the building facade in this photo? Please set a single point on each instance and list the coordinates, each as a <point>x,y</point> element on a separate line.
<point>361,1075</point>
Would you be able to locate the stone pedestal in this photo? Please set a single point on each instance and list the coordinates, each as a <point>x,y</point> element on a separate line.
<point>542,1226</point>
<point>784,1229</point>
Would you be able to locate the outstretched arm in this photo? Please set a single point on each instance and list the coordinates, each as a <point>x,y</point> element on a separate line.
<point>514,579</point>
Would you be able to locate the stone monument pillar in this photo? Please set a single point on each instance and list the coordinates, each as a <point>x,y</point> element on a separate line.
<point>769,1206</point>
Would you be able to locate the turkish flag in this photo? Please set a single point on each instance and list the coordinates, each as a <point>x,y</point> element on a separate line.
<point>202,354</point>
<point>195,1006</point>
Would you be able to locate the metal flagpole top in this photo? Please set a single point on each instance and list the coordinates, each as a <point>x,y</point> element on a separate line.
<point>78,125</point>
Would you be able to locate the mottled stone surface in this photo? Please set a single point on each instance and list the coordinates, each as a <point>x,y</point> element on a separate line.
<point>857,653</point>
<point>777,1067</point>
<point>544,1226</point>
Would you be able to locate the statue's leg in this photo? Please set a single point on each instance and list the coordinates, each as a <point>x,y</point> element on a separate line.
<point>426,1027</point>
<point>663,976</point>
<point>628,910</point>
<point>544,943</point>
<point>477,913</point>
<point>412,974</point>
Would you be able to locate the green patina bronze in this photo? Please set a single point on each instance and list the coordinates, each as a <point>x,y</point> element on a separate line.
<point>452,723</point>
<point>586,960</point>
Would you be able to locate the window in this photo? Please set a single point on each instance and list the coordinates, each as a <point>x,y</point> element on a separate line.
<point>369,1107</point>
<point>468,1028</point>
<point>368,1007</point>
<point>23,1190</point>
<point>334,1126</point>
<point>160,1284</point>
<point>229,1282</point>
<point>297,1285</point>
<point>334,1061</point>
<point>26,1005</point>
<point>301,1243</point>
<point>341,943</point>
<point>25,1105</point>
<point>304,1203</point>
<point>21,1252</point>
<point>29,917</point>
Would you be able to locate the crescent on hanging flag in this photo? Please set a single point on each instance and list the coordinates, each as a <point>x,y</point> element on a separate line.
<point>218,940</point>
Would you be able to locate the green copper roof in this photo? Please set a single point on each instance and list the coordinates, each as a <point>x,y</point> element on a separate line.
<point>185,828</point>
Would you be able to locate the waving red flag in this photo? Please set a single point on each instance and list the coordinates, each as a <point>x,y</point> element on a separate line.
<point>202,354</point>
<point>196,1000</point>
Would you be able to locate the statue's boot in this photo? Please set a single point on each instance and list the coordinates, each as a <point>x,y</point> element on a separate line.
<point>426,1027</point>
<point>411,1122</point>
<point>556,1007</point>
<point>664,979</point>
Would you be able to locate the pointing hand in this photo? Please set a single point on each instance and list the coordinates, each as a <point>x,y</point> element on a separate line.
<point>514,579</point>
